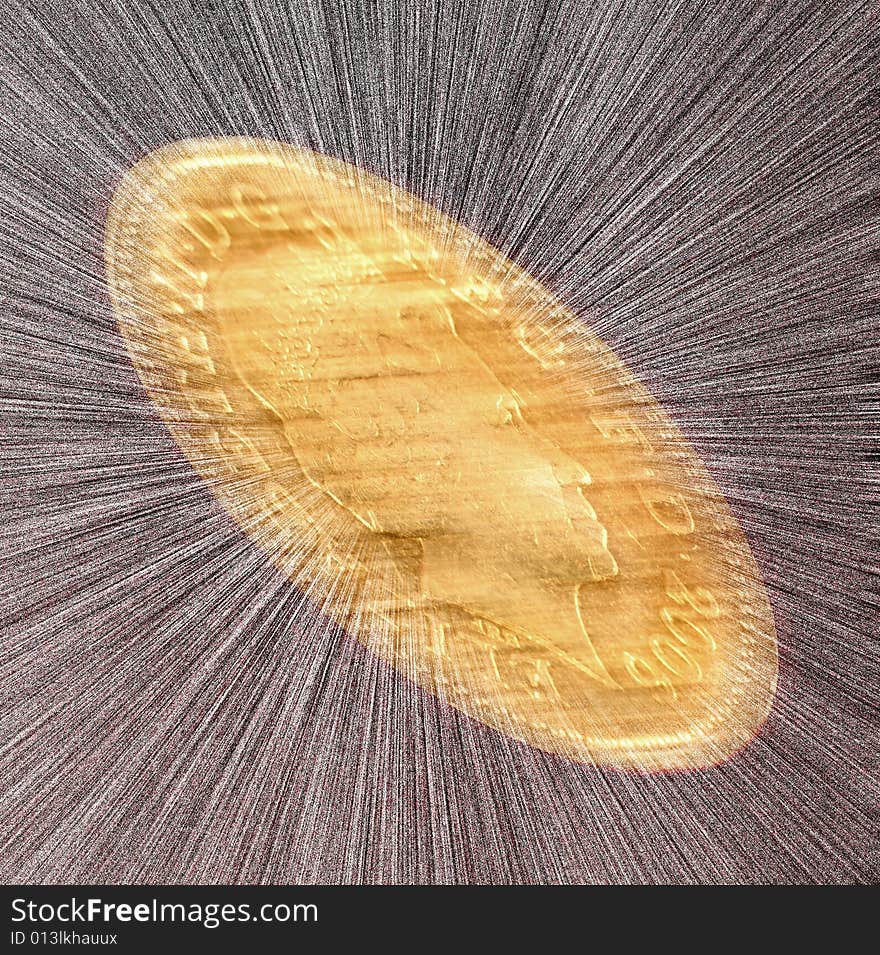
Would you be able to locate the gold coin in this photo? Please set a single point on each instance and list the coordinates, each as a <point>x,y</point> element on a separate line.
<point>459,471</point>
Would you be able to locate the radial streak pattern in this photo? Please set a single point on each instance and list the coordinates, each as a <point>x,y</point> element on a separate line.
<point>696,181</point>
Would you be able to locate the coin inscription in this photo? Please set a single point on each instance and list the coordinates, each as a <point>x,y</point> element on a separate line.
<point>459,471</point>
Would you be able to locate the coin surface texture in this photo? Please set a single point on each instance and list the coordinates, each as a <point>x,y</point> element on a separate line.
<point>451,463</point>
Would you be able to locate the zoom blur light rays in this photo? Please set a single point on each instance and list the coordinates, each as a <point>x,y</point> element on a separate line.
<point>693,180</point>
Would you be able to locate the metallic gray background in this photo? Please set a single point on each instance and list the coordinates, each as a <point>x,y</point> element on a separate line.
<point>697,180</point>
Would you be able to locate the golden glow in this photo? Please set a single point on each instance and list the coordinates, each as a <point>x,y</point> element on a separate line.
<point>466,478</point>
